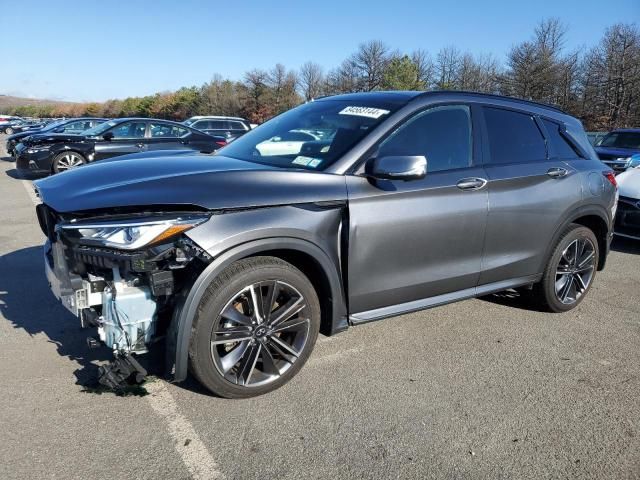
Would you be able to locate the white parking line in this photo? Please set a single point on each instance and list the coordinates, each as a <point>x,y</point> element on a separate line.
<point>186,441</point>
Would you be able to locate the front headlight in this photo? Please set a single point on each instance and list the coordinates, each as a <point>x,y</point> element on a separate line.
<point>38,148</point>
<point>131,234</point>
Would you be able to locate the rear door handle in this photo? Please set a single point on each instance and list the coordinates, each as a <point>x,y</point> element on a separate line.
<point>140,145</point>
<point>557,172</point>
<point>472,183</point>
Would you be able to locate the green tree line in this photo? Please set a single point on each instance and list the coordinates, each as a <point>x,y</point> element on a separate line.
<point>600,85</point>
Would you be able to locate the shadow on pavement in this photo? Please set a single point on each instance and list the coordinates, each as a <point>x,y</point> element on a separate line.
<point>26,302</point>
<point>18,175</point>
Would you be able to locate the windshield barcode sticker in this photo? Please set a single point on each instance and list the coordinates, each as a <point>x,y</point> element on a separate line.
<point>369,112</point>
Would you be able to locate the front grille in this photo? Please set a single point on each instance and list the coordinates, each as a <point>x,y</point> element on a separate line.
<point>628,217</point>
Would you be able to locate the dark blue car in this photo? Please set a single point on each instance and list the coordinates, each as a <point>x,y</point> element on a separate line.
<point>620,149</point>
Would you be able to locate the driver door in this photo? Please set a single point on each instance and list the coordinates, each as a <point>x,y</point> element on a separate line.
<point>410,241</point>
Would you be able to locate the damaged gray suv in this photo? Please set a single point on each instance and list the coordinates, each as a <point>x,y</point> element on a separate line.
<point>342,211</point>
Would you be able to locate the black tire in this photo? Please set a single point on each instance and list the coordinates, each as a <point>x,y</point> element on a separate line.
<point>545,293</point>
<point>66,157</point>
<point>205,358</point>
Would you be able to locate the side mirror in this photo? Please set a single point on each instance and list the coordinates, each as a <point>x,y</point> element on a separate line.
<point>405,167</point>
<point>108,136</point>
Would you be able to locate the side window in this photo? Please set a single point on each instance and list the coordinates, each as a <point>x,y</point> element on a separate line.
<point>160,130</point>
<point>179,131</point>
<point>201,124</point>
<point>236,126</point>
<point>561,146</point>
<point>75,127</point>
<point>129,130</point>
<point>218,125</point>
<point>441,134</point>
<point>513,137</point>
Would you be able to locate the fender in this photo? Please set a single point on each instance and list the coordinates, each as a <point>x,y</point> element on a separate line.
<point>570,217</point>
<point>180,331</point>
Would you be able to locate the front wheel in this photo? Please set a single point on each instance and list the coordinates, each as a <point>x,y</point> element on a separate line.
<point>9,131</point>
<point>66,161</point>
<point>255,328</point>
<point>570,270</point>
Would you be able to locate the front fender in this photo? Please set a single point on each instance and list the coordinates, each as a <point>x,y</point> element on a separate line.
<point>180,332</point>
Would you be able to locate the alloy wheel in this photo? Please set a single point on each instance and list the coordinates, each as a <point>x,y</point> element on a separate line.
<point>260,333</point>
<point>68,161</point>
<point>575,270</point>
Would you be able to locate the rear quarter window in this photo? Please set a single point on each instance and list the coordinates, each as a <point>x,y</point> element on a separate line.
<point>514,137</point>
<point>560,146</point>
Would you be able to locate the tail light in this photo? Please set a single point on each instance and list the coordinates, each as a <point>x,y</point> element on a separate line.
<point>609,175</point>
<point>222,143</point>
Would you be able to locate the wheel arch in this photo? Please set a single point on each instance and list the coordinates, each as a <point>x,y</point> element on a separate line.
<point>596,219</point>
<point>304,255</point>
<point>59,151</point>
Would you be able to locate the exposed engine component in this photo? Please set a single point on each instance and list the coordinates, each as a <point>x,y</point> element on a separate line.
<point>128,316</point>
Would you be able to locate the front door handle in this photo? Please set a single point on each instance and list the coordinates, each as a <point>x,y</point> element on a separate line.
<point>557,172</point>
<point>140,145</point>
<point>472,183</point>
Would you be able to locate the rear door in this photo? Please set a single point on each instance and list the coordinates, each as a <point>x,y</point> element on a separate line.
<point>529,191</point>
<point>166,136</point>
<point>128,137</point>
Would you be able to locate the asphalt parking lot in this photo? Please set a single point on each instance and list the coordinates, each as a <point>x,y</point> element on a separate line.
<point>479,389</point>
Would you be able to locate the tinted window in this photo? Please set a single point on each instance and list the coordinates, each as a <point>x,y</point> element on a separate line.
<point>218,125</point>
<point>561,147</point>
<point>129,130</point>
<point>166,130</point>
<point>80,126</point>
<point>513,136</point>
<point>442,134</point>
<point>201,124</point>
<point>621,140</point>
<point>236,126</point>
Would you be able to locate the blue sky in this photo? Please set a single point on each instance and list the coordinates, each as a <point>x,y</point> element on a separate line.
<point>93,50</point>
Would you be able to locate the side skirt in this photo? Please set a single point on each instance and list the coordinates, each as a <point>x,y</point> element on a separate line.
<point>423,304</point>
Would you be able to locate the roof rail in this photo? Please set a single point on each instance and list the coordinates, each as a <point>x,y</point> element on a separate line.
<point>501,97</point>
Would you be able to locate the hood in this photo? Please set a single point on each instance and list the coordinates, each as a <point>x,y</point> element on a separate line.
<point>629,183</point>
<point>208,182</point>
<point>612,153</point>
<point>35,138</point>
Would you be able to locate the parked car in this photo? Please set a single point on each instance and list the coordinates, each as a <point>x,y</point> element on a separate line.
<point>617,147</point>
<point>72,126</point>
<point>54,153</point>
<point>5,119</point>
<point>628,214</point>
<point>28,126</point>
<point>228,127</point>
<point>8,127</point>
<point>238,261</point>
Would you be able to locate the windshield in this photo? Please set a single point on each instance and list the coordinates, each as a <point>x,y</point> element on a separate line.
<point>100,129</point>
<point>621,140</point>
<point>311,136</point>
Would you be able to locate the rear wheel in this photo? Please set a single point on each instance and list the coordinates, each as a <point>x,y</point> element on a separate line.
<point>9,131</point>
<point>66,161</point>
<point>570,270</point>
<point>255,328</point>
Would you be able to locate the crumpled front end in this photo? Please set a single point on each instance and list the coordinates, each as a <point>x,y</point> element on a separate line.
<point>121,276</point>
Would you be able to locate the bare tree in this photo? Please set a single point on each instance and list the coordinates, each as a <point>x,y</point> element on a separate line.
<point>426,68</point>
<point>370,61</point>
<point>311,80</point>
<point>447,64</point>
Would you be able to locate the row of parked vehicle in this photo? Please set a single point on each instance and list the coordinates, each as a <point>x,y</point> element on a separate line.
<point>65,144</point>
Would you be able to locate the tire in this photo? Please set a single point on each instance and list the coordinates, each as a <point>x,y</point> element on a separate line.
<point>566,281</point>
<point>66,161</point>
<point>238,351</point>
<point>9,131</point>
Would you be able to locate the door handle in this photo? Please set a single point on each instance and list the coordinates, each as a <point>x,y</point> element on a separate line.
<point>140,145</point>
<point>557,172</point>
<point>472,183</point>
